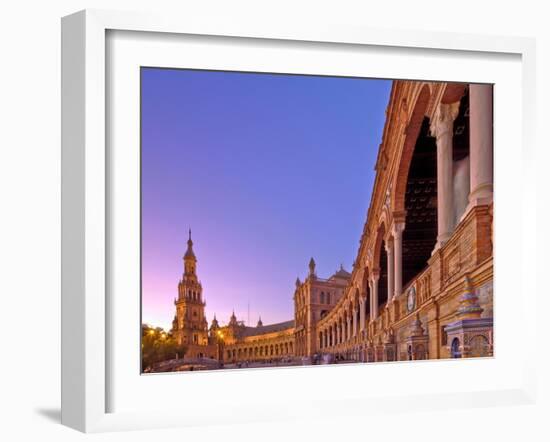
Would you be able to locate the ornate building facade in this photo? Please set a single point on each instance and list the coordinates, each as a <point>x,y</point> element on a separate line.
<point>422,282</point>
<point>190,327</point>
<point>313,300</point>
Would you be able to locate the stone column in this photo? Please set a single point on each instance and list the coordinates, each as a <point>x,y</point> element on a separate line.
<point>442,129</point>
<point>374,309</point>
<point>332,340</point>
<point>348,331</point>
<point>354,322</point>
<point>345,329</point>
<point>389,244</point>
<point>362,313</point>
<point>398,257</point>
<point>337,333</point>
<point>370,299</point>
<point>481,144</point>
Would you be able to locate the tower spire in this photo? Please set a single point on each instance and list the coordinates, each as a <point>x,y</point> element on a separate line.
<point>190,260</point>
<point>312,267</point>
<point>189,253</point>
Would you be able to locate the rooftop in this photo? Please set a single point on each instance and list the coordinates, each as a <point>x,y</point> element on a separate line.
<point>269,328</point>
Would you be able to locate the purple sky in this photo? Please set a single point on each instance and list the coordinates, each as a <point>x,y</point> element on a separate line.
<point>267,170</point>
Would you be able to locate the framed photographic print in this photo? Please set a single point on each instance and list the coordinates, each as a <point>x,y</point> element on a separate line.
<point>260,212</point>
<point>252,213</point>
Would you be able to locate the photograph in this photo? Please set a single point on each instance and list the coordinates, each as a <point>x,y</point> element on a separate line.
<point>300,220</point>
<point>274,220</point>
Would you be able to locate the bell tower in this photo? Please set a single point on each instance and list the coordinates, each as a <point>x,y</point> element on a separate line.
<point>191,327</point>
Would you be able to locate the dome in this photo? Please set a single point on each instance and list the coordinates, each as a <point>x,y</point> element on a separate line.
<point>341,273</point>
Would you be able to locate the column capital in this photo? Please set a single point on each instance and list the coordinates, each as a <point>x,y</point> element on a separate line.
<point>375,275</point>
<point>399,216</point>
<point>397,228</point>
<point>443,119</point>
<point>388,244</point>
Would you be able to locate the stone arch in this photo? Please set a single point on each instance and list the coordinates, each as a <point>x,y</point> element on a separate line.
<point>366,290</point>
<point>378,242</point>
<point>412,129</point>
<point>455,348</point>
<point>356,295</point>
<point>357,309</point>
<point>380,262</point>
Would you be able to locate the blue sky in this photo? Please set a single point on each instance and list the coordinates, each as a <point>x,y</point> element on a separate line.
<point>267,170</point>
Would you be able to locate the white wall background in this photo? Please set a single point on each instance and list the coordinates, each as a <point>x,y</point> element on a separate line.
<point>30,214</point>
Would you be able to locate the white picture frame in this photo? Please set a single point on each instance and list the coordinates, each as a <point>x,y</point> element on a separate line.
<point>85,211</point>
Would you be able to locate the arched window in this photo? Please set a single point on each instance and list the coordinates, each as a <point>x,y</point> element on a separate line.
<point>455,349</point>
<point>322,297</point>
<point>328,297</point>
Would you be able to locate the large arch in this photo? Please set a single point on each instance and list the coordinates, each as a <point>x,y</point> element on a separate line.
<point>366,292</point>
<point>413,127</point>
<point>420,197</point>
<point>380,260</point>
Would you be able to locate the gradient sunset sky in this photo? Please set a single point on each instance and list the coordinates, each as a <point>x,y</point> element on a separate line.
<point>267,170</point>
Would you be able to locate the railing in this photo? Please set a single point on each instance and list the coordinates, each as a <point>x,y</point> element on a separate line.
<point>422,284</point>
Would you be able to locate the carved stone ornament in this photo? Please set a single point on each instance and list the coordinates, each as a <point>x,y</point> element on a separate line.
<point>411,299</point>
<point>388,196</point>
<point>443,119</point>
